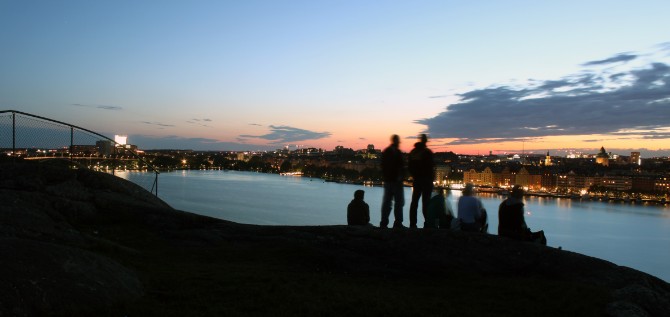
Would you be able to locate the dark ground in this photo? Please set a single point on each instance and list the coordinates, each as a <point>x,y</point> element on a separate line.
<point>79,243</point>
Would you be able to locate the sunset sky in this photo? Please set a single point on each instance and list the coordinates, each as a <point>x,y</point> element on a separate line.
<point>477,76</point>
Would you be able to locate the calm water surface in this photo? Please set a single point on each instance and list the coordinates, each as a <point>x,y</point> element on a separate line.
<point>632,235</point>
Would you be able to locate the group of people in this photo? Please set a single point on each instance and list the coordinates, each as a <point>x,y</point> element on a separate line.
<point>436,208</point>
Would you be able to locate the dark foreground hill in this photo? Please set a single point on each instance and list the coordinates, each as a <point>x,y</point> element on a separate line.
<point>79,243</point>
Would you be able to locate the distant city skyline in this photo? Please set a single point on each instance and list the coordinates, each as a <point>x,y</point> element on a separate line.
<point>507,76</point>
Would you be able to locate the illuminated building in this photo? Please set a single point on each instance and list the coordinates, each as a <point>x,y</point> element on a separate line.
<point>635,158</point>
<point>121,139</point>
<point>603,158</point>
<point>547,160</point>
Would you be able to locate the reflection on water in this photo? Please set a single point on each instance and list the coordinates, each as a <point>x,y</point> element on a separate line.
<point>624,233</point>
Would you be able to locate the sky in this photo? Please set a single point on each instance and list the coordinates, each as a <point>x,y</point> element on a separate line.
<point>476,76</point>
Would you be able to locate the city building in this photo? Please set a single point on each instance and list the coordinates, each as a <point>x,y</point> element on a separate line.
<point>662,185</point>
<point>603,158</point>
<point>104,147</point>
<point>635,158</point>
<point>83,149</point>
<point>441,174</point>
<point>547,160</point>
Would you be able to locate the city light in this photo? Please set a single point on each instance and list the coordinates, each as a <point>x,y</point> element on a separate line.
<point>121,139</point>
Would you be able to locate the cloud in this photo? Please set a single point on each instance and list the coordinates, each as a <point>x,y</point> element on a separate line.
<point>104,107</point>
<point>286,134</point>
<point>465,141</point>
<point>147,142</point>
<point>157,124</point>
<point>657,136</point>
<point>644,152</point>
<point>624,57</point>
<point>199,122</point>
<point>604,102</point>
<point>664,47</point>
<point>256,124</point>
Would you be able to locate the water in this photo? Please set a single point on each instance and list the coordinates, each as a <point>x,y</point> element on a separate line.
<point>636,236</point>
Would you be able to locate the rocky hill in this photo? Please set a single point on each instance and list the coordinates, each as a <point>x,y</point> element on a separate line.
<point>74,242</point>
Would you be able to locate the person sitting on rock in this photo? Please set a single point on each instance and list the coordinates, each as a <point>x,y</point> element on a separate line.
<point>439,213</point>
<point>511,222</point>
<point>471,212</point>
<point>358,211</point>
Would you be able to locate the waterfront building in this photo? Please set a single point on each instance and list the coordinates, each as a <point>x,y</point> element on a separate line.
<point>662,185</point>
<point>441,174</point>
<point>83,149</point>
<point>531,180</point>
<point>643,183</point>
<point>568,182</point>
<point>122,149</point>
<point>573,182</point>
<point>522,178</point>
<point>497,176</point>
<point>487,177</point>
<point>471,176</point>
<point>507,177</point>
<point>356,166</point>
<point>104,147</point>
<point>548,180</point>
<point>616,182</point>
<point>533,175</point>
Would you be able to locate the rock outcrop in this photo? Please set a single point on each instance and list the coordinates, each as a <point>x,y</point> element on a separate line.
<point>56,260</point>
<point>48,262</point>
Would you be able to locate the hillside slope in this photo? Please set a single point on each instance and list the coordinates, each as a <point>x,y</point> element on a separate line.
<point>78,242</point>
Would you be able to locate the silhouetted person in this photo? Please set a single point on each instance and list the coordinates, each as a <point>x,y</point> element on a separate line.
<point>471,212</point>
<point>439,213</point>
<point>511,222</point>
<point>358,211</point>
<point>422,169</point>
<point>393,170</point>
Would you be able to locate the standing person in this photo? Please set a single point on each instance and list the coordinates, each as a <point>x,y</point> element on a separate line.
<point>511,222</point>
<point>393,170</point>
<point>471,212</point>
<point>422,169</point>
<point>358,211</point>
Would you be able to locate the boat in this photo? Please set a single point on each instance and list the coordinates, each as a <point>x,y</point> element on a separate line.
<point>291,174</point>
<point>488,189</point>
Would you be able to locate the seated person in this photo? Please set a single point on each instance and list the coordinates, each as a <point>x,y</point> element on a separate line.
<point>439,214</point>
<point>511,222</point>
<point>471,212</point>
<point>358,211</point>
